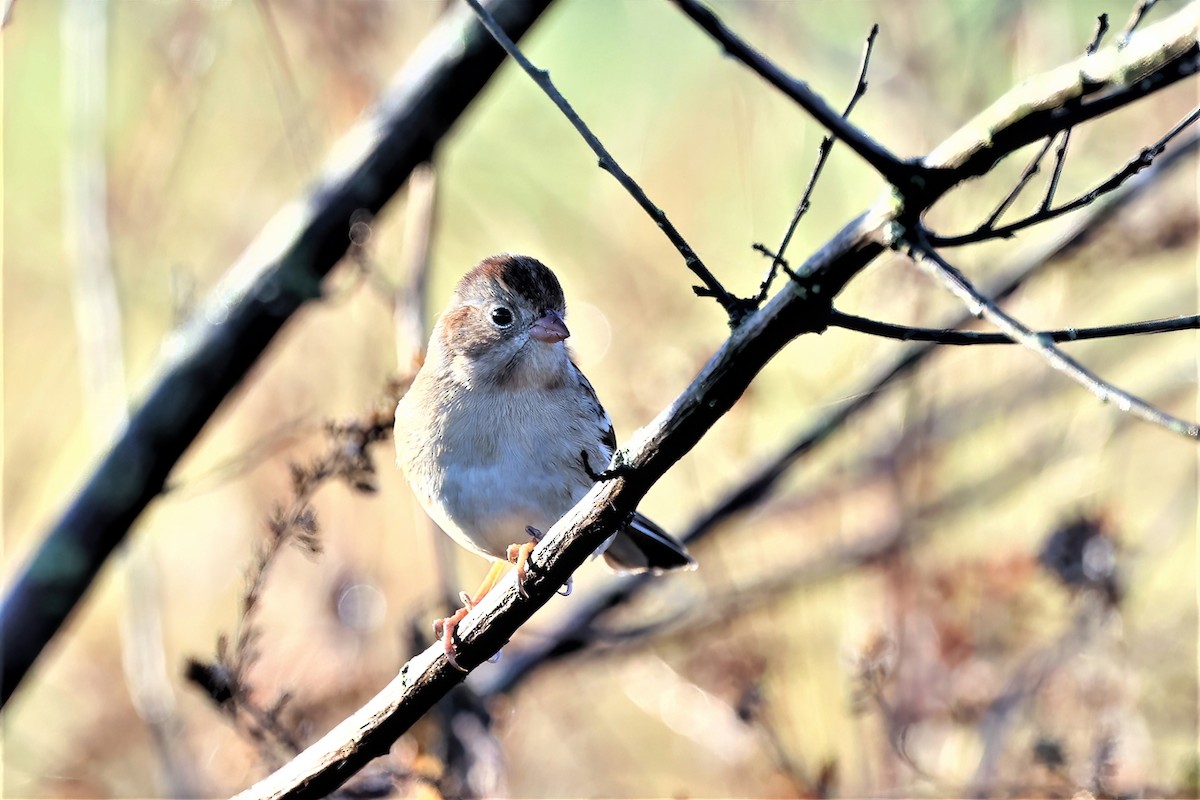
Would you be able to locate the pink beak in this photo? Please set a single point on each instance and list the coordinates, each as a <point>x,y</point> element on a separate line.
<point>549,328</point>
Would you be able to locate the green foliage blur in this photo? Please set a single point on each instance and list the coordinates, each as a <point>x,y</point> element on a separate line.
<point>845,678</point>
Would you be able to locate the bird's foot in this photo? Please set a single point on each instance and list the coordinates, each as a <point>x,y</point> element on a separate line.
<point>518,555</point>
<point>445,627</point>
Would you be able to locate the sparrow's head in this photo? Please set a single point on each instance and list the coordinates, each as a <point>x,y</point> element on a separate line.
<point>504,322</point>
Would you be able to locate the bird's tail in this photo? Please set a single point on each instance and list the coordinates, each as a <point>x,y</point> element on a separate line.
<point>645,547</point>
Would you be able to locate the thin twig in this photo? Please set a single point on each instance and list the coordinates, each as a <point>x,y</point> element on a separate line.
<point>1060,160</point>
<point>1032,169</point>
<point>1098,36</point>
<point>904,333</point>
<point>1135,19</point>
<point>941,270</point>
<point>896,171</point>
<point>860,88</point>
<point>734,307</point>
<point>1060,157</point>
<point>1135,165</point>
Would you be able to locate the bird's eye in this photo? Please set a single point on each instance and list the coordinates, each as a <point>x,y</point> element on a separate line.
<point>502,317</point>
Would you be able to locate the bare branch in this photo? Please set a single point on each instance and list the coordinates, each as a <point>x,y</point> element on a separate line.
<point>802,306</point>
<point>897,172</point>
<point>273,278</point>
<point>576,629</point>
<point>823,151</point>
<point>952,337</point>
<point>1135,19</point>
<point>1135,165</point>
<point>1098,36</point>
<point>1060,157</point>
<point>1032,169</point>
<point>1068,96</point>
<point>735,308</point>
<point>929,259</point>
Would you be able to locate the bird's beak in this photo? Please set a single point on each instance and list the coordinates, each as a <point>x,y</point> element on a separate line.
<point>549,328</point>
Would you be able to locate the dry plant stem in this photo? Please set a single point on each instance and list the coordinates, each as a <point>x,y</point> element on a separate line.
<point>930,261</point>
<point>274,277</point>
<point>98,325</point>
<point>734,307</point>
<point>904,333</point>
<point>826,147</point>
<point>897,172</point>
<point>1037,108</point>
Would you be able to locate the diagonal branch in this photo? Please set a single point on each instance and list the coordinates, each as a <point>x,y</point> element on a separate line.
<point>574,631</point>
<point>1165,54</point>
<point>371,730</point>
<point>275,276</point>
<point>735,308</point>
<point>897,172</point>
<point>938,268</point>
<point>904,333</point>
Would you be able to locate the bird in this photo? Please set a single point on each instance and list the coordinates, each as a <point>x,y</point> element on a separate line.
<point>500,433</point>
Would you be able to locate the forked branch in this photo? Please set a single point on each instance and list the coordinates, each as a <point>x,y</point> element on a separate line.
<point>941,270</point>
<point>778,260</point>
<point>734,307</point>
<point>894,170</point>
<point>1132,167</point>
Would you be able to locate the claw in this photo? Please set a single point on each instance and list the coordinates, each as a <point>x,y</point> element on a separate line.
<point>518,554</point>
<point>565,589</point>
<point>444,629</point>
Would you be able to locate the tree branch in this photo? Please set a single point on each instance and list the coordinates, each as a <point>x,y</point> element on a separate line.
<point>904,333</point>
<point>1074,93</point>
<point>897,172</point>
<point>1060,157</point>
<point>574,631</point>
<point>1135,19</point>
<point>1135,165</point>
<point>801,306</point>
<point>735,308</point>
<point>275,276</point>
<point>938,268</point>
<point>826,147</point>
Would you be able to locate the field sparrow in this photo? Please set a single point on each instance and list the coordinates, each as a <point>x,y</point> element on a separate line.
<point>501,434</point>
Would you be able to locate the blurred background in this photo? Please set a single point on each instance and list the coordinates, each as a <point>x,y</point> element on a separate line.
<point>984,583</point>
